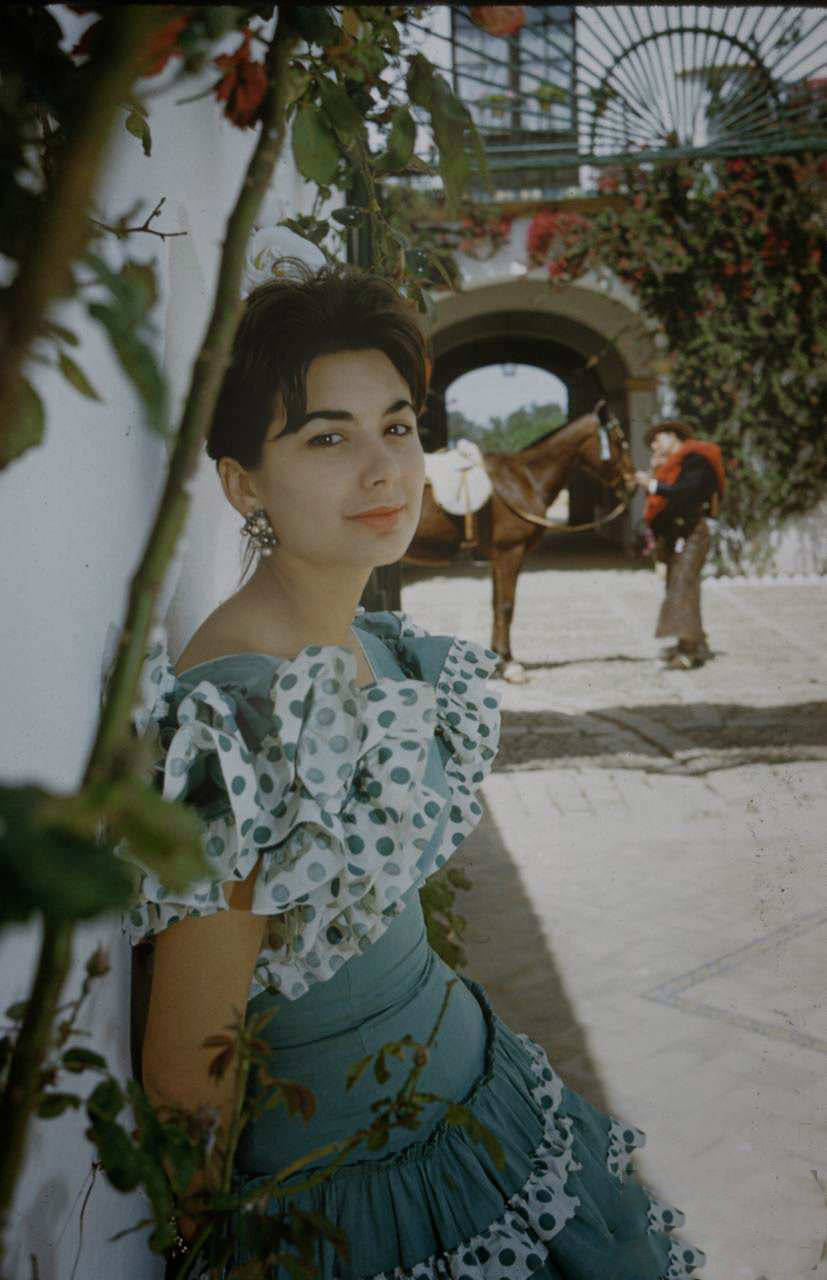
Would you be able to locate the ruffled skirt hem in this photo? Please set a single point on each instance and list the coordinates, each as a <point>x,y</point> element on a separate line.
<point>562,1206</point>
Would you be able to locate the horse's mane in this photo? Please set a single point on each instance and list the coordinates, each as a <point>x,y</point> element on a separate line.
<point>539,439</point>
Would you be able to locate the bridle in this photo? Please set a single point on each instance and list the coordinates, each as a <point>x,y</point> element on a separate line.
<point>607,432</point>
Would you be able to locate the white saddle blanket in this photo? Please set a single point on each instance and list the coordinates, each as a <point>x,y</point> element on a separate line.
<point>458,478</point>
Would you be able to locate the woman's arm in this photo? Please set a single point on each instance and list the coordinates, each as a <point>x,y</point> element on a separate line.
<point>200,985</point>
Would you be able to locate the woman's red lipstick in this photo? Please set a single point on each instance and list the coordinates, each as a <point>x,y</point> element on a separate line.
<point>381,519</point>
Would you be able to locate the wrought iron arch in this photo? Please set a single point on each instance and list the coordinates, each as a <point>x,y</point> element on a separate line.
<point>615,84</point>
<point>671,137</point>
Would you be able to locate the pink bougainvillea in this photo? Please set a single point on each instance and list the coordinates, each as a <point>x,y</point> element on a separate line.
<point>727,259</point>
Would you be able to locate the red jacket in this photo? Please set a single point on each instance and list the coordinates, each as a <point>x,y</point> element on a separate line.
<point>668,472</point>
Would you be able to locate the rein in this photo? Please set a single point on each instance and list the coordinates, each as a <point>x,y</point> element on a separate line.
<point>559,525</point>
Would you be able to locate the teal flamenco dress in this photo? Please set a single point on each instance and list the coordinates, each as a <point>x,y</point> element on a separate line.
<point>350,797</point>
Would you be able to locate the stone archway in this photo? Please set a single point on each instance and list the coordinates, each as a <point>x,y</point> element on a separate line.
<point>594,342</point>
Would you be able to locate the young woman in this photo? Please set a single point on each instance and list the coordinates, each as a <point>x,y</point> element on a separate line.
<point>333,756</point>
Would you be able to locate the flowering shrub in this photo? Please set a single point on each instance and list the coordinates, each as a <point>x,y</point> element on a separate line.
<point>728,259</point>
<point>243,84</point>
<point>558,234</point>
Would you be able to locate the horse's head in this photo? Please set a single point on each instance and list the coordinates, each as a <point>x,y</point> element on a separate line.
<point>605,453</point>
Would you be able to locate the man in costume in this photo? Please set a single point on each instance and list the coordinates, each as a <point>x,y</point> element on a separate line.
<point>684,485</point>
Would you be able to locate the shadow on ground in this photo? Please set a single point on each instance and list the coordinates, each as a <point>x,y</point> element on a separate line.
<point>538,739</point>
<point>509,955</point>
<point>566,552</point>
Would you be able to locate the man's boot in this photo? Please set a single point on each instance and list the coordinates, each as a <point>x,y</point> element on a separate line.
<point>687,656</point>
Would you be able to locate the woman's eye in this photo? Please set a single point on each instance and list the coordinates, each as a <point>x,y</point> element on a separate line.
<point>323,439</point>
<point>327,435</point>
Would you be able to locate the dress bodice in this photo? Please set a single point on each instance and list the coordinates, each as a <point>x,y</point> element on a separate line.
<point>349,797</point>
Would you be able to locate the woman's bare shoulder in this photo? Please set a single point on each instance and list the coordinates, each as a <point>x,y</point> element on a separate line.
<point>225,630</point>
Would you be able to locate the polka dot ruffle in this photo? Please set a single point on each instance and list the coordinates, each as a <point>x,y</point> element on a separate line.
<point>513,1246</point>
<point>333,795</point>
<point>468,714</point>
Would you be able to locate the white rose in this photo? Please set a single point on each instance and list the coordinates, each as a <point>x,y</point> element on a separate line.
<point>268,247</point>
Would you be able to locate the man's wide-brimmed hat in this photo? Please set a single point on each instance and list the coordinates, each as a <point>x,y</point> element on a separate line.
<point>681,429</point>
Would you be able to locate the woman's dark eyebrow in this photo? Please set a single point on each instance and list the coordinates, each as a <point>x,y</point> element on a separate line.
<point>340,415</point>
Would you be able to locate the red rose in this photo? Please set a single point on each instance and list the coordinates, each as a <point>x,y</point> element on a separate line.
<point>242,86</point>
<point>161,45</point>
<point>499,19</point>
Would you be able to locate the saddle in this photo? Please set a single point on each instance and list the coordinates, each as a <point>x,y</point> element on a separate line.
<point>460,483</point>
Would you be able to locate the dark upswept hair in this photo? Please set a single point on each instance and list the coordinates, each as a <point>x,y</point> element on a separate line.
<point>285,325</point>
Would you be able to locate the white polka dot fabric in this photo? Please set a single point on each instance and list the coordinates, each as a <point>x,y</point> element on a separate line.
<point>332,799</point>
<point>512,1247</point>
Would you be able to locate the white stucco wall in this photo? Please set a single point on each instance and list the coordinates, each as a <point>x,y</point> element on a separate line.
<point>74,516</point>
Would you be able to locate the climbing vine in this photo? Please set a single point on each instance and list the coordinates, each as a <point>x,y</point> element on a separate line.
<point>727,258</point>
<point>304,76</point>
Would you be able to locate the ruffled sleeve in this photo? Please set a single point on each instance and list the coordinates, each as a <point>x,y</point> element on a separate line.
<point>326,783</point>
<point>467,710</point>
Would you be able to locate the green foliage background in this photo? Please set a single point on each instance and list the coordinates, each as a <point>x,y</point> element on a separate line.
<point>728,258</point>
<point>507,435</point>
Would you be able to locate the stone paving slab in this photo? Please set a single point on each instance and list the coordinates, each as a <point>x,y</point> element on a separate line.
<point>649,900</point>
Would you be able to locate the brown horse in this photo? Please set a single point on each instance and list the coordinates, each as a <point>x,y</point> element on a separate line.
<point>530,481</point>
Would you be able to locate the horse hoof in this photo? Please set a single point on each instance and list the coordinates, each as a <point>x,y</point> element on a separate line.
<point>514,673</point>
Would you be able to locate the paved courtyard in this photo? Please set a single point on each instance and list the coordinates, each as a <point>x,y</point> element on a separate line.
<point>649,897</point>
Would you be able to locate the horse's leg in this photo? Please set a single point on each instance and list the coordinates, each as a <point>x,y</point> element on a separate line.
<point>506,563</point>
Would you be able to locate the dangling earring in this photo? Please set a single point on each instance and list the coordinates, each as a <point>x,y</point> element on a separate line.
<point>257,526</point>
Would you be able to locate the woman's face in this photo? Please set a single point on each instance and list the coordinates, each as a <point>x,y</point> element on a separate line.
<point>358,449</point>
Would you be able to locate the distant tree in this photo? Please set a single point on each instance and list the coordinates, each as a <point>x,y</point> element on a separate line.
<point>507,435</point>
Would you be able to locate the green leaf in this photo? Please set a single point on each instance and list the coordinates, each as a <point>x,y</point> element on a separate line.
<point>343,114</point>
<point>356,1071</point>
<point>78,1060</point>
<point>123,1162</point>
<point>312,22</point>
<point>54,1104</point>
<point>313,229</point>
<point>349,215</point>
<point>105,1101</point>
<point>17,1012</point>
<point>420,81</point>
<point>400,143</point>
<point>60,331</point>
<point>138,362</point>
<point>380,1069</point>
<point>314,145</point>
<point>490,1142</point>
<point>50,869</point>
<point>299,1100</point>
<point>166,836</point>
<point>140,276</point>
<point>451,122</point>
<point>138,127</point>
<point>28,426</point>
<point>133,292</point>
<point>457,1114</point>
<point>74,374</point>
